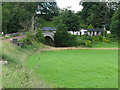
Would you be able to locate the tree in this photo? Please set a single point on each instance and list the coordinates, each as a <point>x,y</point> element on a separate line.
<point>90,26</point>
<point>69,19</point>
<point>96,13</point>
<point>115,26</point>
<point>62,37</point>
<point>39,36</point>
<point>21,16</point>
<point>17,16</point>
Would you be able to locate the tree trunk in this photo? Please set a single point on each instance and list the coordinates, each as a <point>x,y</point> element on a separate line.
<point>32,23</point>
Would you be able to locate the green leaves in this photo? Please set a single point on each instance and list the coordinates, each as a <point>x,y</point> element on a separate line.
<point>97,12</point>
<point>16,16</point>
<point>68,18</point>
<point>90,26</point>
<point>115,26</point>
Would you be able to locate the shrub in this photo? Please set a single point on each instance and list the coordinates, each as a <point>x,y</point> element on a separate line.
<point>90,26</point>
<point>64,39</point>
<point>95,39</point>
<point>100,38</point>
<point>39,36</point>
<point>88,43</point>
<point>28,39</point>
<point>106,40</point>
<point>79,41</point>
<point>83,26</point>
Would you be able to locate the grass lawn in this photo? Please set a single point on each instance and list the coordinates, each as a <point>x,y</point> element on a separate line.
<point>106,45</point>
<point>77,68</point>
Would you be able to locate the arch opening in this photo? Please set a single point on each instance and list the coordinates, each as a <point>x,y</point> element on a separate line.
<point>49,41</point>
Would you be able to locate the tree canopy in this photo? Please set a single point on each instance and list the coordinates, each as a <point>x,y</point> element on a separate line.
<point>115,26</point>
<point>19,16</point>
<point>69,19</point>
<point>97,13</point>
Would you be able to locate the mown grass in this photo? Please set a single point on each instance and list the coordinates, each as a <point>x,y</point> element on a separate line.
<point>78,68</point>
<point>67,68</point>
<point>15,74</point>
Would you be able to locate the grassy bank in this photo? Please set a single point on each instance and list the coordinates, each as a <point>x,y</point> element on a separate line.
<point>78,68</point>
<point>15,74</point>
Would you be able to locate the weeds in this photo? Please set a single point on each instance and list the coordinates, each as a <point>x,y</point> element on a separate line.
<point>15,74</point>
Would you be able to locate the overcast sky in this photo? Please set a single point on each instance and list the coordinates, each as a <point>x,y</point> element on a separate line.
<point>74,4</point>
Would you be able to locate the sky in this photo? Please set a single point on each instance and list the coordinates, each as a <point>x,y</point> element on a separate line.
<point>74,4</point>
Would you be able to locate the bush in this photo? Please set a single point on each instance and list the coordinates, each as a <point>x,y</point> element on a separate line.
<point>79,41</point>
<point>106,40</point>
<point>39,36</point>
<point>28,39</point>
<point>100,38</point>
<point>83,26</point>
<point>95,39</point>
<point>88,43</point>
<point>90,26</point>
<point>64,39</point>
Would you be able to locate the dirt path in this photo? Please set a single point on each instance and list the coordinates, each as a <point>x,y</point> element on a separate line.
<point>71,48</point>
<point>64,48</point>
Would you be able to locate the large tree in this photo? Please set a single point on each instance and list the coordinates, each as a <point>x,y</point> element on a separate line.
<point>115,26</point>
<point>97,13</point>
<point>19,16</point>
<point>68,18</point>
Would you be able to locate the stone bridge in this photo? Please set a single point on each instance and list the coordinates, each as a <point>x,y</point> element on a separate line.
<point>49,38</point>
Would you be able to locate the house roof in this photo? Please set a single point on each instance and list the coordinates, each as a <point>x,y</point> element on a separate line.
<point>48,28</point>
<point>54,29</point>
<point>96,29</point>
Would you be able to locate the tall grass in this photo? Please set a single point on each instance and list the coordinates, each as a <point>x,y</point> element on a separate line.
<point>15,74</point>
<point>18,55</point>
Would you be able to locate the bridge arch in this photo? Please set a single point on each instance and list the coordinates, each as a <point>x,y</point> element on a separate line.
<point>49,40</point>
<point>47,35</point>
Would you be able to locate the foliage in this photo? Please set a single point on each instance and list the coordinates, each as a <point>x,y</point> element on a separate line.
<point>81,42</point>
<point>16,16</point>
<point>88,43</point>
<point>39,36</point>
<point>106,40</point>
<point>20,16</point>
<point>95,38</point>
<point>44,23</point>
<point>62,37</point>
<point>112,37</point>
<point>97,13</point>
<point>90,26</point>
<point>28,39</point>
<point>100,38</point>
<point>15,73</point>
<point>68,18</point>
<point>83,26</point>
<point>115,26</point>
